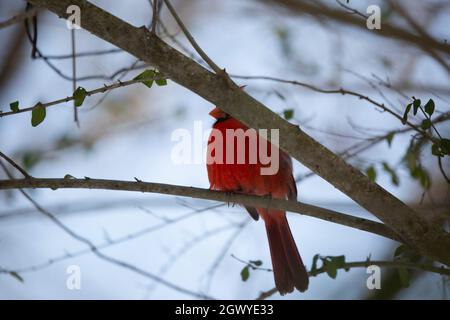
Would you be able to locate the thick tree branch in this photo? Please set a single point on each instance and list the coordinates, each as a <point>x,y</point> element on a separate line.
<point>411,227</point>
<point>364,264</point>
<point>249,200</point>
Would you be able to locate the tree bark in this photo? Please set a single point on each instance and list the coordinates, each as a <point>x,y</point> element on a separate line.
<point>429,240</point>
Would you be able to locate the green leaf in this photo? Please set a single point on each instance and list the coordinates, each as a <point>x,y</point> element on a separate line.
<point>161,81</point>
<point>389,138</point>
<point>405,115</point>
<point>288,114</point>
<point>79,95</point>
<point>392,173</point>
<point>429,107</point>
<point>257,263</point>
<point>14,106</point>
<point>16,276</point>
<point>37,115</point>
<point>400,250</point>
<point>371,173</point>
<point>147,76</point>
<point>416,104</point>
<point>404,277</point>
<point>245,273</point>
<point>426,124</point>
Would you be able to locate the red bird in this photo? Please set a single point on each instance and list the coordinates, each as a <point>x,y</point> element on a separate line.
<point>288,268</point>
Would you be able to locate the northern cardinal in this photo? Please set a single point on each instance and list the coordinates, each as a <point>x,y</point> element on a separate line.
<point>288,268</point>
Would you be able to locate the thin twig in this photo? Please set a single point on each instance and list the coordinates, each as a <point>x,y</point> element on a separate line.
<point>15,165</point>
<point>83,54</point>
<point>221,255</point>
<point>352,10</point>
<point>191,39</point>
<point>421,31</point>
<point>103,89</point>
<point>155,16</point>
<point>112,242</point>
<point>19,18</point>
<point>96,251</point>
<point>186,248</point>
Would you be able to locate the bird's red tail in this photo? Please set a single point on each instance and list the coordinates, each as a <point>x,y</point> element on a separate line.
<point>288,268</point>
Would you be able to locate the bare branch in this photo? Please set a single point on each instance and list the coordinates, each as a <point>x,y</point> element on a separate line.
<point>365,264</point>
<point>103,89</point>
<point>155,15</point>
<point>430,240</point>
<point>15,165</point>
<point>342,92</point>
<point>191,39</point>
<point>74,74</point>
<point>222,253</point>
<point>96,251</point>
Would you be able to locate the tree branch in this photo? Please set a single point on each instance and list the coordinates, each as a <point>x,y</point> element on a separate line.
<point>18,18</point>
<point>191,39</point>
<point>103,89</point>
<point>95,250</point>
<point>15,165</point>
<point>411,227</point>
<point>365,264</point>
<point>113,242</point>
<point>205,194</point>
<point>388,30</point>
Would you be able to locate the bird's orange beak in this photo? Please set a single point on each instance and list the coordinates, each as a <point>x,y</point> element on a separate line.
<point>217,113</point>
